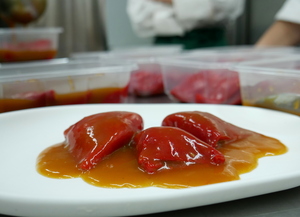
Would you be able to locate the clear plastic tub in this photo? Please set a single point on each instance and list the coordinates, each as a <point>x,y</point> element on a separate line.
<point>147,79</point>
<point>146,51</point>
<point>206,77</point>
<point>272,84</point>
<point>20,66</point>
<point>28,44</point>
<point>249,49</point>
<point>92,55</point>
<point>72,82</point>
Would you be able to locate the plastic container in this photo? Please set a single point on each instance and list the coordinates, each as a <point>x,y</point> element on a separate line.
<point>23,66</point>
<point>272,84</point>
<point>28,44</point>
<point>92,55</point>
<point>73,82</point>
<point>147,79</point>
<point>249,49</point>
<point>206,77</point>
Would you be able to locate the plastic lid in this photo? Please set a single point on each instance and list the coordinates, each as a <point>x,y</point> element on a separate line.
<point>285,66</point>
<point>216,60</point>
<point>31,30</point>
<point>247,48</point>
<point>21,65</point>
<point>71,68</point>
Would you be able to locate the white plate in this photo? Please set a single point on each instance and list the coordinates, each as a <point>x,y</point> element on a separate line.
<point>24,192</point>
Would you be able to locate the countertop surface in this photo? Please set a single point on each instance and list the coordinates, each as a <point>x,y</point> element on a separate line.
<point>284,203</point>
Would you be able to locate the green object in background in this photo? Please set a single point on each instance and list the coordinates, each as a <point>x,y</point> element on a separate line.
<point>198,38</point>
<point>286,102</point>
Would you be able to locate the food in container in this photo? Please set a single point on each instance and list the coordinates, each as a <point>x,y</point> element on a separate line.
<point>62,82</point>
<point>28,44</point>
<point>147,79</point>
<point>206,77</point>
<point>272,84</point>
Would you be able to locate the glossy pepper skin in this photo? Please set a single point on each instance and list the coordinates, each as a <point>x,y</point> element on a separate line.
<point>96,136</point>
<point>158,146</point>
<point>206,127</point>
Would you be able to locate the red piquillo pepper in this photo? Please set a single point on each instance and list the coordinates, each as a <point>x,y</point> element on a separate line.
<point>39,99</point>
<point>206,127</point>
<point>209,86</point>
<point>96,136</point>
<point>166,147</point>
<point>143,83</point>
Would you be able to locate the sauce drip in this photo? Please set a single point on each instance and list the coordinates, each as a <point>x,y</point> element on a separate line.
<point>120,169</point>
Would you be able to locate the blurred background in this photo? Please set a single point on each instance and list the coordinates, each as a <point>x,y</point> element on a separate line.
<point>96,25</point>
<point>84,38</point>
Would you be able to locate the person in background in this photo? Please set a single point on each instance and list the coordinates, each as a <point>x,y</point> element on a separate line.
<point>190,23</point>
<point>285,31</point>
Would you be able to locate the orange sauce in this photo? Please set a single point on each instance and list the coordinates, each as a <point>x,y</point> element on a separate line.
<point>270,105</point>
<point>7,105</point>
<point>26,55</point>
<point>120,169</point>
<point>50,98</point>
